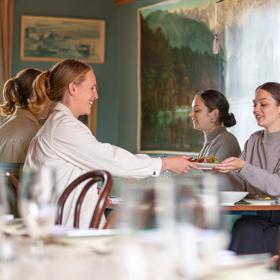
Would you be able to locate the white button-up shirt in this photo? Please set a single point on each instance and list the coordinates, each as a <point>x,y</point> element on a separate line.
<point>66,143</point>
<point>16,132</point>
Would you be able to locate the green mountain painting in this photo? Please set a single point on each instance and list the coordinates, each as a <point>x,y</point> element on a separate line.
<point>176,61</point>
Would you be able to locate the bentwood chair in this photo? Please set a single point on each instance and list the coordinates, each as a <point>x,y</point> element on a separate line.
<point>90,179</point>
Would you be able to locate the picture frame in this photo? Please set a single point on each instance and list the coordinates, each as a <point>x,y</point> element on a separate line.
<point>172,68</point>
<point>57,38</point>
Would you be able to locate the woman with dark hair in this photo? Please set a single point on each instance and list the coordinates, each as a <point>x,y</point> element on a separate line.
<point>258,169</point>
<point>210,114</point>
<point>22,110</point>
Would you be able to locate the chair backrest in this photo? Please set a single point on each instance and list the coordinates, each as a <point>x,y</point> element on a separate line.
<point>12,171</point>
<point>91,177</point>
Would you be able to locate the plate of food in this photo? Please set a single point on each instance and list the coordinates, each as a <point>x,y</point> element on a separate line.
<point>206,163</point>
<point>261,201</point>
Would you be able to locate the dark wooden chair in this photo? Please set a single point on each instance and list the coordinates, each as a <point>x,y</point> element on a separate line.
<point>12,172</point>
<point>91,178</point>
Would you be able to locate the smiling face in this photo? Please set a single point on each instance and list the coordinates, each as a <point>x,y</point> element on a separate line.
<point>86,94</point>
<point>266,111</point>
<point>201,117</point>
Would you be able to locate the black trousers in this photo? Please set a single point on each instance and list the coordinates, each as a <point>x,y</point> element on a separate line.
<point>256,234</point>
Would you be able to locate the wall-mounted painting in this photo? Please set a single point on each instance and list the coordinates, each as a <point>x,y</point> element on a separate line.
<point>175,60</point>
<point>53,39</point>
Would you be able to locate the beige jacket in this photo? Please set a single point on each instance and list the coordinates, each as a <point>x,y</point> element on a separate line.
<point>16,133</point>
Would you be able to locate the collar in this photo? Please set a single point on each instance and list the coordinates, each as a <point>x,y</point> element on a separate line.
<point>271,137</point>
<point>62,108</point>
<point>23,113</point>
<point>209,137</point>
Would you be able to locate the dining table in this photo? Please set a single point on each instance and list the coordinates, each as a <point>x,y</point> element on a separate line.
<point>251,207</point>
<point>102,257</point>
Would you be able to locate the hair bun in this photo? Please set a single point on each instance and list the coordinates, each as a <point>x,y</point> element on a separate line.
<point>229,120</point>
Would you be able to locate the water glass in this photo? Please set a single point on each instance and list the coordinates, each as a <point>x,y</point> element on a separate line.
<point>38,204</point>
<point>145,223</point>
<point>199,223</point>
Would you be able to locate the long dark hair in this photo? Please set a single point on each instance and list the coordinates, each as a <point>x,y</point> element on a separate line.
<point>214,99</point>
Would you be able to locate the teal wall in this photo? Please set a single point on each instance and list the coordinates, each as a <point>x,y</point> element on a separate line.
<point>127,72</point>
<point>117,77</point>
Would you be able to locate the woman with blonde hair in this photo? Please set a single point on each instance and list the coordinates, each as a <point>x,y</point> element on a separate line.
<point>68,144</point>
<point>21,112</point>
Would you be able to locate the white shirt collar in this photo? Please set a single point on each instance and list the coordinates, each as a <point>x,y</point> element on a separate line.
<point>62,108</point>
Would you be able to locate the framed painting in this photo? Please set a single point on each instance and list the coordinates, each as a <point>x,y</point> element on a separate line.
<point>175,61</point>
<point>53,39</point>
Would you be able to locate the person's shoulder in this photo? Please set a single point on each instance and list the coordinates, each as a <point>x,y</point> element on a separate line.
<point>228,136</point>
<point>256,135</point>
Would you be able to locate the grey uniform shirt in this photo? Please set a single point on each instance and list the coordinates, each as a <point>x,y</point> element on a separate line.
<point>221,144</point>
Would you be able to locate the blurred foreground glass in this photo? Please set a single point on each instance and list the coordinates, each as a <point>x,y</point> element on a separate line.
<point>147,241</point>
<point>7,247</point>
<point>38,204</point>
<point>199,222</point>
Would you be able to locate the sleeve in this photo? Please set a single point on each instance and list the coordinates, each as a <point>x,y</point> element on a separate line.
<point>266,182</point>
<point>74,142</point>
<point>258,177</point>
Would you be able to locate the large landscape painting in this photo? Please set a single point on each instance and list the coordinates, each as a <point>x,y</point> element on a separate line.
<point>176,60</point>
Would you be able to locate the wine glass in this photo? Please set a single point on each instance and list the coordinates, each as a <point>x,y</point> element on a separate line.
<point>38,204</point>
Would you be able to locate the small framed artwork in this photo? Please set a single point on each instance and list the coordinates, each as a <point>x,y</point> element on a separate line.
<point>54,38</point>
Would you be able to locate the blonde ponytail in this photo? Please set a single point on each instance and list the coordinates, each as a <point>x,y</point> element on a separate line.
<point>11,97</point>
<point>41,87</point>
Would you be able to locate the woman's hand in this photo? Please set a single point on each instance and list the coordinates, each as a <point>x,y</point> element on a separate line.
<point>178,164</point>
<point>230,164</point>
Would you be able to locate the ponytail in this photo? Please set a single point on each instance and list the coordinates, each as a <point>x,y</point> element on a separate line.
<point>41,87</point>
<point>229,120</point>
<point>11,97</point>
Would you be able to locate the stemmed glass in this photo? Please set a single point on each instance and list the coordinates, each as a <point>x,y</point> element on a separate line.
<point>38,204</point>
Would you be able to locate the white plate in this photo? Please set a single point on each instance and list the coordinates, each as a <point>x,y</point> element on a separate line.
<point>260,201</point>
<point>227,259</point>
<point>78,233</point>
<point>206,166</point>
<point>116,199</point>
<point>101,240</point>
<point>227,204</point>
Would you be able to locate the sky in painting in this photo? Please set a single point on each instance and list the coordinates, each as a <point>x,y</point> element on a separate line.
<point>174,5</point>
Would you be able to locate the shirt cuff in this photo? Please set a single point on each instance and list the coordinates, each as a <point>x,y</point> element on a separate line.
<point>156,168</point>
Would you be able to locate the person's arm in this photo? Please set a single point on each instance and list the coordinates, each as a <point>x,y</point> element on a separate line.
<point>255,176</point>
<point>261,178</point>
<point>74,143</point>
<point>178,164</point>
